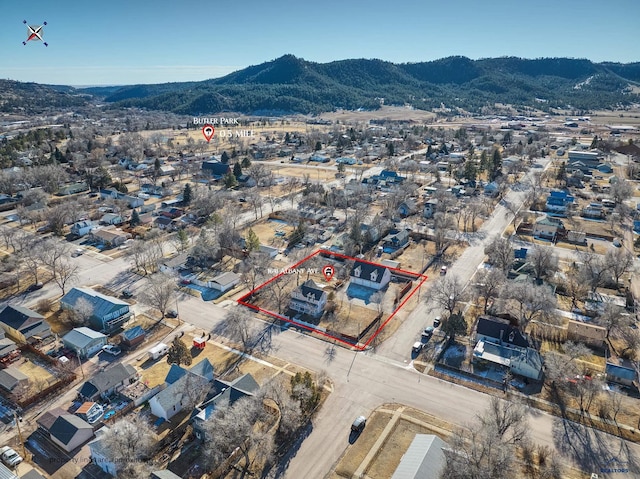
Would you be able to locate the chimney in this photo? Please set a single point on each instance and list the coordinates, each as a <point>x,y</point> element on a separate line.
<point>501,334</point>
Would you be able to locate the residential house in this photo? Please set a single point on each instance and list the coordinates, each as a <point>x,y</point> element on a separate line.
<point>23,325</point>
<point>165,223</point>
<point>225,281</point>
<point>132,201</point>
<point>73,189</point>
<point>370,233</point>
<point>370,275</point>
<point>105,383</point>
<point>558,202</point>
<point>624,373</point>
<point>492,189</point>
<point>223,394</point>
<point>99,455</point>
<point>425,458</point>
<point>82,228</point>
<point>185,389</point>
<point>594,210</point>
<point>547,228</point>
<point>247,181</point>
<point>84,341</point>
<point>110,236</point>
<point>70,432</point>
<point>215,169</point>
<point>309,299</point>
<point>396,239</point>
<point>13,380</point>
<point>172,212</point>
<point>108,313</point>
<point>500,343</point>
<point>430,208</point>
<point>269,250</point>
<point>587,333</point>
<point>112,219</point>
<point>151,189</point>
<point>407,208</point>
<point>172,265</point>
<point>7,346</point>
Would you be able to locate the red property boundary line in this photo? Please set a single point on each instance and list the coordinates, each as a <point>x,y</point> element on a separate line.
<point>243,300</point>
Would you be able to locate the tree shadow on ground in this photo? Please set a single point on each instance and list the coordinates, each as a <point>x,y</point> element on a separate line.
<point>591,449</point>
<point>283,460</point>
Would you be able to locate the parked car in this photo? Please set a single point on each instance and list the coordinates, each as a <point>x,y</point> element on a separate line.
<point>443,271</point>
<point>78,252</point>
<point>127,293</point>
<point>617,242</point>
<point>111,349</point>
<point>428,332</point>
<point>417,347</point>
<point>359,424</point>
<point>436,321</point>
<point>10,457</point>
<point>172,313</point>
<point>35,287</point>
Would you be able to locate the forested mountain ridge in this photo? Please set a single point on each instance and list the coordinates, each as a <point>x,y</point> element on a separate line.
<point>293,85</point>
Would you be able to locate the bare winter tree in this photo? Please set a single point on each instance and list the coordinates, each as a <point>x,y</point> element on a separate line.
<point>65,273</point>
<point>81,312</point>
<point>253,269</point>
<point>500,253</point>
<point>535,303</point>
<point>446,292</point>
<point>129,444</point>
<point>238,326</point>
<point>544,262</point>
<point>620,261</point>
<point>488,285</point>
<point>593,269</point>
<point>160,293</point>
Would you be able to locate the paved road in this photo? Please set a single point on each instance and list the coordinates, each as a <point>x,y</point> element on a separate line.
<point>398,347</point>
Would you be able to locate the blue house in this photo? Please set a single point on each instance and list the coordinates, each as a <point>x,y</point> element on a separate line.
<point>558,202</point>
<point>395,240</point>
<point>215,169</point>
<point>107,313</point>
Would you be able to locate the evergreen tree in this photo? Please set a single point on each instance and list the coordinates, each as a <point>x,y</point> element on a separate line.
<point>246,162</point>
<point>287,138</point>
<point>318,146</point>
<point>429,152</point>
<point>470,170</point>
<point>225,157</point>
<point>179,353</point>
<point>594,143</point>
<point>496,165</point>
<point>187,194</point>
<point>297,235</point>
<point>135,219</point>
<point>390,149</point>
<point>252,241</point>
<point>237,170</point>
<point>230,180</point>
<point>484,163</point>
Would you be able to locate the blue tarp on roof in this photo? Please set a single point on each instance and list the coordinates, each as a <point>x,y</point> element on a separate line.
<point>133,333</point>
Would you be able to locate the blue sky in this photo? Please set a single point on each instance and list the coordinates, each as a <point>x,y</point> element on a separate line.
<point>154,41</point>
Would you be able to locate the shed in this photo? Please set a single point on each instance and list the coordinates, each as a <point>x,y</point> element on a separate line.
<point>132,337</point>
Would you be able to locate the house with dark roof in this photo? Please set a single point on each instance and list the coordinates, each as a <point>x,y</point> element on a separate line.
<point>108,313</point>
<point>370,275</point>
<point>63,429</point>
<point>23,325</point>
<point>396,239</point>
<point>84,341</point>
<point>308,298</point>
<point>407,208</point>
<point>106,382</point>
<point>223,394</point>
<point>13,380</point>
<point>185,388</point>
<point>7,346</point>
<point>558,202</point>
<point>623,373</point>
<point>215,169</point>
<point>500,343</point>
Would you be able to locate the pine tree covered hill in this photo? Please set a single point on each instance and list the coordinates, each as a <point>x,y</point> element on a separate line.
<point>293,85</point>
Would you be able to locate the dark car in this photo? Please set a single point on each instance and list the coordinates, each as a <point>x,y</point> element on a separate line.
<point>172,313</point>
<point>127,293</point>
<point>359,424</point>
<point>35,287</point>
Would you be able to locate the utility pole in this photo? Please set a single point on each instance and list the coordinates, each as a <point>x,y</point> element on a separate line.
<point>18,420</point>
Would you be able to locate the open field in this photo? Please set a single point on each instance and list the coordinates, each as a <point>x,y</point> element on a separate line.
<point>384,113</point>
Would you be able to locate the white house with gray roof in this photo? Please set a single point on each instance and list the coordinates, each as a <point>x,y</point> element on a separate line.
<point>370,275</point>
<point>424,459</point>
<point>84,341</point>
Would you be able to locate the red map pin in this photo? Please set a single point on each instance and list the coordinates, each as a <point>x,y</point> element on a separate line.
<point>208,131</point>
<point>328,272</point>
